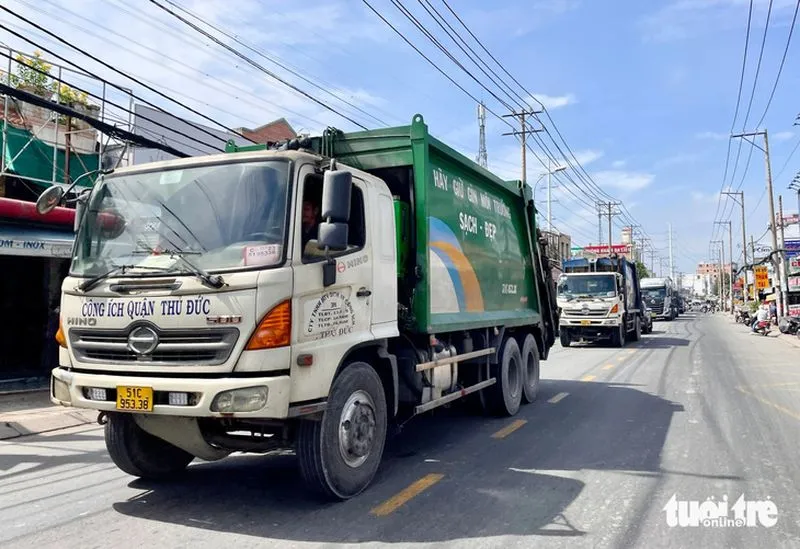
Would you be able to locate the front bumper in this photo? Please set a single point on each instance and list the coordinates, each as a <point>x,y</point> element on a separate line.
<point>591,332</point>
<point>277,406</point>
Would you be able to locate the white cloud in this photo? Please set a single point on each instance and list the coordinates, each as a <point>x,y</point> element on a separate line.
<point>552,102</point>
<point>683,19</point>
<point>716,136</point>
<point>623,180</point>
<point>617,164</point>
<point>782,136</point>
<point>588,156</point>
<point>700,197</point>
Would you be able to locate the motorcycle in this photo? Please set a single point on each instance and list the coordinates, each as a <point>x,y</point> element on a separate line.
<point>789,325</point>
<point>743,317</point>
<point>762,327</point>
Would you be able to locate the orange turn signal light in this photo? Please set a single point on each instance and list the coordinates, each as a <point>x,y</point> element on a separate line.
<point>274,330</point>
<point>60,338</point>
<point>615,308</point>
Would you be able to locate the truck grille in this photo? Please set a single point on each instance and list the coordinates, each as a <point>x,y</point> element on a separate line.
<point>175,347</point>
<point>585,312</point>
<point>657,308</point>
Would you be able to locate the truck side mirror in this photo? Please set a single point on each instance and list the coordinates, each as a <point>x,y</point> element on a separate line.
<point>337,186</point>
<point>49,199</point>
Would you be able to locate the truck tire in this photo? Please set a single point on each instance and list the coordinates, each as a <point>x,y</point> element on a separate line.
<point>636,333</point>
<point>618,337</point>
<point>565,341</point>
<point>530,369</point>
<point>340,454</point>
<point>138,453</point>
<point>505,396</point>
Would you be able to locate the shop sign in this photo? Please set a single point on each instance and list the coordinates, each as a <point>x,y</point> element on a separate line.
<point>794,265</point>
<point>794,310</point>
<point>762,277</point>
<point>794,283</point>
<point>35,247</point>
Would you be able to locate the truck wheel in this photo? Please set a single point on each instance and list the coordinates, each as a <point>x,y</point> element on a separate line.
<point>504,397</point>
<point>138,453</point>
<point>530,369</point>
<point>564,338</point>
<point>340,454</point>
<point>618,337</point>
<point>636,334</point>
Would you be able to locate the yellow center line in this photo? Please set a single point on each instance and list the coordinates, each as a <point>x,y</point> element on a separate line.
<point>787,411</point>
<point>401,498</point>
<point>558,398</point>
<point>508,429</point>
<point>588,378</point>
<point>608,366</point>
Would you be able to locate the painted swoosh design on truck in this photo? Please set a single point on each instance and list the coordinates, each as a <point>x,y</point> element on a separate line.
<point>454,288</point>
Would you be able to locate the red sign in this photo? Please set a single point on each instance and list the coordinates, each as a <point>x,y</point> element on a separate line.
<point>603,249</point>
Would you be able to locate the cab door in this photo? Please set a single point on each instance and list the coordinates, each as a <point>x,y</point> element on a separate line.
<point>329,321</point>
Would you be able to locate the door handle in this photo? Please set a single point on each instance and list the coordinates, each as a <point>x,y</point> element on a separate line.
<point>363,292</point>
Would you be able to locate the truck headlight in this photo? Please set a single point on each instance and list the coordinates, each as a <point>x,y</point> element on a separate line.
<point>248,399</point>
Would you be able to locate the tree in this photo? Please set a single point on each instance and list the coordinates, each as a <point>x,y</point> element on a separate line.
<point>33,74</point>
<point>641,270</point>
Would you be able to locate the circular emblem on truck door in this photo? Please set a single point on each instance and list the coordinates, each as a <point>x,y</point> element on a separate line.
<point>142,340</point>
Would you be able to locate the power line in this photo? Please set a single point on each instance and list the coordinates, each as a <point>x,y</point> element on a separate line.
<point>208,81</point>
<point>272,59</point>
<point>110,67</point>
<point>61,81</point>
<point>735,116</point>
<point>780,68</point>
<point>256,64</point>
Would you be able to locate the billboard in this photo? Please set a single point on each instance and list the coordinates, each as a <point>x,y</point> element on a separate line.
<point>186,136</point>
<point>603,249</point>
<point>762,277</point>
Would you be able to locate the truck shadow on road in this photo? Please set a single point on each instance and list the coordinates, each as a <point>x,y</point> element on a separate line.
<point>522,484</point>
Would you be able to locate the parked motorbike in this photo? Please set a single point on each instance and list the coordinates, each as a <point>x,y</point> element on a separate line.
<point>762,327</point>
<point>743,317</point>
<point>789,325</point>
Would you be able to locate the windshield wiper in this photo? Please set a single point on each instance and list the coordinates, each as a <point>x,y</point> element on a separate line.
<point>213,281</point>
<point>87,285</point>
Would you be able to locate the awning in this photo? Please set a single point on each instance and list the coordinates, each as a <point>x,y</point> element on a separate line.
<point>24,241</point>
<point>27,156</point>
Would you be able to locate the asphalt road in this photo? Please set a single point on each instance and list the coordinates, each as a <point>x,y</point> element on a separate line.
<point>698,409</point>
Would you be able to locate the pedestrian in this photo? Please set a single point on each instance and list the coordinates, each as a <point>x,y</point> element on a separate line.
<point>773,312</point>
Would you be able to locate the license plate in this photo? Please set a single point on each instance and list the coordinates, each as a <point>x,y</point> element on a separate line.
<point>585,322</point>
<point>135,399</point>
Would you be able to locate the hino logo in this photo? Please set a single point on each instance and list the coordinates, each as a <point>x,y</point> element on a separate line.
<point>142,340</point>
<point>79,321</point>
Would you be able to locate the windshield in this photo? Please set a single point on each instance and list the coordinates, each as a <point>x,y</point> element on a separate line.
<point>590,286</point>
<point>654,293</point>
<point>218,217</point>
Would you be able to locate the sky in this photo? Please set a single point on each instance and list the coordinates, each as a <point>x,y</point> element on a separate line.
<point>644,93</point>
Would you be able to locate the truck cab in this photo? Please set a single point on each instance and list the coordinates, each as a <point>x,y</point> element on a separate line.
<point>661,297</point>
<point>599,300</point>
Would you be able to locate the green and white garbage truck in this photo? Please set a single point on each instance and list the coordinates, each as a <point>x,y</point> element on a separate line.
<point>304,297</point>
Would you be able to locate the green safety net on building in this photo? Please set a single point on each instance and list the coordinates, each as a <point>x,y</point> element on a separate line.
<point>27,156</point>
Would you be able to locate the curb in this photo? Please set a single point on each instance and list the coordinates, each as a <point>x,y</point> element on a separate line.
<point>43,420</point>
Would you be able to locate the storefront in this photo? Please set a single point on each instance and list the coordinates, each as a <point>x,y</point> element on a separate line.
<point>33,261</point>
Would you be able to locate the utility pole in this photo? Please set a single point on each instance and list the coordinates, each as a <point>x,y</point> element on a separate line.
<point>652,260</point>
<point>482,158</point>
<point>740,201</point>
<point>773,229</point>
<point>523,134</point>
<point>721,277</point>
<point>671,265</point>
<point>609,211</point>
<point>783,272</point>
<point>728,271</point>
